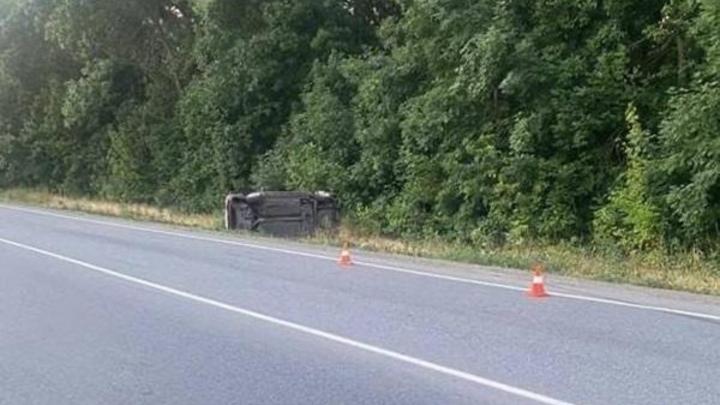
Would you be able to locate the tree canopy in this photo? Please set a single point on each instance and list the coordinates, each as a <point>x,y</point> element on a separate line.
<point>484,121</point>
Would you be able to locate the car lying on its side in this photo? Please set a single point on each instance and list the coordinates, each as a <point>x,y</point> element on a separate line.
<point>282,213</point>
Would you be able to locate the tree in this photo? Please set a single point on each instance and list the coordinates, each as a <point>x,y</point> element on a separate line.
<point>237,108</point>
<point>482,121</point>
<point>631,218</point>
<point>31,73</point>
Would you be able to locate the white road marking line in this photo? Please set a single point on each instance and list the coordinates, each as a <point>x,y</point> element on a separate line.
<point>552,294</point>
<point>371,265</point>
<point>303,329</point>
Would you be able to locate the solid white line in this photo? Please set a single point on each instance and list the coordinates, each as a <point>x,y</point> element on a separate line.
<point>552,294</point>
<point>637,306</point>
<point>303,329</point>
<point>367,264</point>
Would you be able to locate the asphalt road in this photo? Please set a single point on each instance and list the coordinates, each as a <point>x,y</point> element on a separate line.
<point>102,311</point>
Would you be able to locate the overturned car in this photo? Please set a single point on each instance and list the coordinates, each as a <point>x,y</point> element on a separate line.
<point>282,213</point>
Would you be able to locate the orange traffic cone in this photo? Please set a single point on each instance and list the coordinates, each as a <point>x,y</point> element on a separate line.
<point>345,259</point>
<point>537,289</point>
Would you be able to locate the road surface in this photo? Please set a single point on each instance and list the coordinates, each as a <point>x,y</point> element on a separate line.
<point>103,311</point>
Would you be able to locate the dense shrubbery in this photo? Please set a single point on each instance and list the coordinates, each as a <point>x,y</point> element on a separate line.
<point>483,121</point>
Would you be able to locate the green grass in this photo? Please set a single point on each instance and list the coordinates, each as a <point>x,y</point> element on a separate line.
<point>690,272</point>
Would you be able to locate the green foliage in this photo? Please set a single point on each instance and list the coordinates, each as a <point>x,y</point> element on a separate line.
<point>236,110</point>
<point>486,122</point>
<point>690,162</point>
<point>630,219</point>
<point>689,147</point>
<point>320,146</point>
<point>90,107</point>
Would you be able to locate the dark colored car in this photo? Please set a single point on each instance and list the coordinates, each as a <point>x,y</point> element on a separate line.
<point>282,213</point>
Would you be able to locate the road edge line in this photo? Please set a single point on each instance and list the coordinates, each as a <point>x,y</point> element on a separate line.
<point>576,297</point>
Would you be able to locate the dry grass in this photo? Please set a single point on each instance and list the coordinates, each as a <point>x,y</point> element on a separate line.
<point>685,272</point>
<point>95,206</point>
<point>690,272</point>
